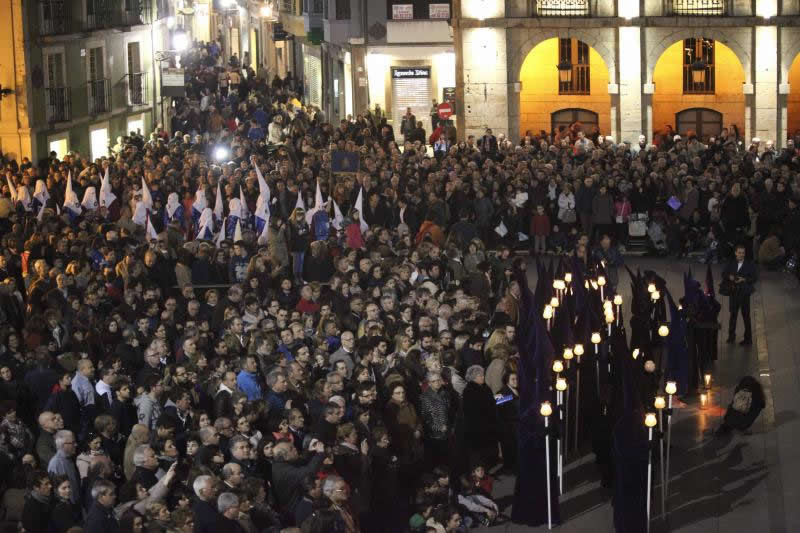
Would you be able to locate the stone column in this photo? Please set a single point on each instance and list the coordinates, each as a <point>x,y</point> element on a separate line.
<point>630,84</point>
<point>766,83</point>
<point>486,90</point>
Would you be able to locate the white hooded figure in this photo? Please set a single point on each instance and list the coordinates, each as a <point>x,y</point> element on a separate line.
<point>24,197</point>
<point>173,203</point>
<point>40,193</point>
<point>89,199</point>
<point>140,214</point>
<point>206,224</point>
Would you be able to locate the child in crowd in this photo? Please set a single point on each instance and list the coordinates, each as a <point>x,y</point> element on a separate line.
<point>540,229</point>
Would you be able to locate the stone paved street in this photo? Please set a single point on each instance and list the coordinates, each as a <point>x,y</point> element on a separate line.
<point>741,483</point>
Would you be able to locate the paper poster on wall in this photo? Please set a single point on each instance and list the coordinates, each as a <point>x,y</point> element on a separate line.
<point>439,11</point>
<point>402,11</point>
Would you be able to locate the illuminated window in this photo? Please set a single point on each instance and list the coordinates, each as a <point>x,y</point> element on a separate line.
<point>576,53</point>
<point>698,66</point>
<point>696,7</point>
<point>567,117</point>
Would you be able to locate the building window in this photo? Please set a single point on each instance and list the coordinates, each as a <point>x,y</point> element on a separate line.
<point>696,7</point>
<point>417,9</point>
<point>702,122</point>
<point>576,53</point>
<point>567,117</point>
<point>697,53</point>
<point>342,9</point>
<point>561,8</point>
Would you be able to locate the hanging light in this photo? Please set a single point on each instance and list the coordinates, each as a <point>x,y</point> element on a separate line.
<point>564,72</point>
<point>698,69</point>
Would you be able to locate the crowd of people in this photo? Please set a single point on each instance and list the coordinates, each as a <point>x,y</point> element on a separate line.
<point>213,329</point>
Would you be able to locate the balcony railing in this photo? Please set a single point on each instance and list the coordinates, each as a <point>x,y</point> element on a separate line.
<point>58,104</point>
<point>55,17</point>
<point>99,96</point>
<point>562,8</point>
<point>138,84</point>
<point>580,81</point>
<point>696,7</point>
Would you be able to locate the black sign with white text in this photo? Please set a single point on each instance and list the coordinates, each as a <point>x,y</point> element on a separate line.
<point>404,73</point>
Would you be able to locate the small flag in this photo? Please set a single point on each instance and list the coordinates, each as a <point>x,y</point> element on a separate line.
<point>147,198</point>
<point>360,207</point>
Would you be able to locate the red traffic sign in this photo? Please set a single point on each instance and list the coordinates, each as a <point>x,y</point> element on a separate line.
<point>445,111</point>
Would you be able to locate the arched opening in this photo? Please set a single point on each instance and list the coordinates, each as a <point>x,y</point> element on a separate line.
<point>565,117</point>
<point>698,86</point>
<point>546,95</point>
<point>793,100</point>
<point>702,121</point>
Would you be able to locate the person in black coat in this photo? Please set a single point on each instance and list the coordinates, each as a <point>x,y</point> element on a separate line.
<point>739,277</point>
<point>101,515</point>
<point>480,419</point>
<point>509,420</point>
<point>38,502</point>
<point>204,508</point>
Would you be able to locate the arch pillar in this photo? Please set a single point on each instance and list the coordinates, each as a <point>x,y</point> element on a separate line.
<point>629,107</point>
<point>766,98</point>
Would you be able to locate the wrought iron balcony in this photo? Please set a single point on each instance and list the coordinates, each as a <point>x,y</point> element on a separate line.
<point>55,17</point>
<point>138,84</point>
<point>562,8</point>
<point>58,104</point>
<point>99,96</point>
<point>696,8</point>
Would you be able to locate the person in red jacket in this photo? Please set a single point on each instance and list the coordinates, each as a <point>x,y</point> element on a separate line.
<point>540,230</point>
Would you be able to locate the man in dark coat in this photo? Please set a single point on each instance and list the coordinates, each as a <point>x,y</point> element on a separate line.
<point>38,503</point>
<point>287,475</point>
<point>740,277</point>
<point>101,515</point>
<point>204,509</point>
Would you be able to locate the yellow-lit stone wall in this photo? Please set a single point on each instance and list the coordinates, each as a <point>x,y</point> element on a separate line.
<point>669,99</point>
<point>539,96</point>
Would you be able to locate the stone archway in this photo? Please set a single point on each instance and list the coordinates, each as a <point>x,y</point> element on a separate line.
<point>732,39</point>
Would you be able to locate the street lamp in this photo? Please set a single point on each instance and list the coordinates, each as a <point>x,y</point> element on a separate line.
<point>564,72</point>
<point>698,69</point>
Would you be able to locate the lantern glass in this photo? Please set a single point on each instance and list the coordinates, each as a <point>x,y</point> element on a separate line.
<point>703,401</point>
<point>568,354</point>
<point>650,420</point>
<point>558,366</point>
<point>568,277</point>
<point>578,350</point>
<point>617,300</point>
<point>671,387</point>
<point>595,338</point>
<point>699,72</point>
<point>546,409</point>
<point>660,403</point>
<point>564,72</point>
<point>561,384</point>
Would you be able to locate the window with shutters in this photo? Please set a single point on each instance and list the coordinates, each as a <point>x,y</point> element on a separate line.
<point>703,122</point>
<point>567,117</point>
<point>576,53</point>
<point>698,50</point>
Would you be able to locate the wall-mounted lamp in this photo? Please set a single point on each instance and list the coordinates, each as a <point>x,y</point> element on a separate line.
<point>5,91</point>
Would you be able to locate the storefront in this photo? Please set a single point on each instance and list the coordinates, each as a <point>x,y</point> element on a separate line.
<point>409,76</point>
<point>312,74</point>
